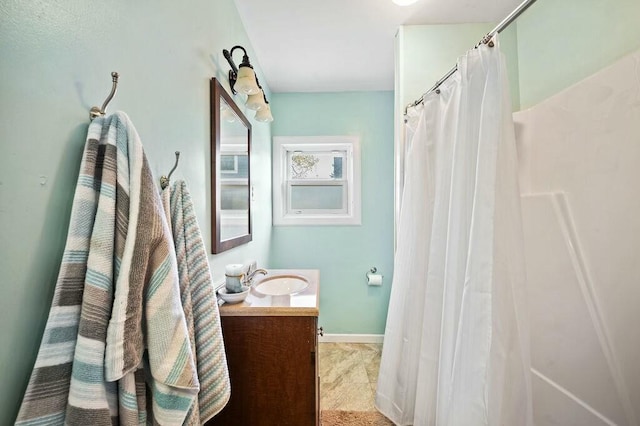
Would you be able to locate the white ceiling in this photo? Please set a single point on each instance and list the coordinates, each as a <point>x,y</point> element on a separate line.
<point>344,45</point>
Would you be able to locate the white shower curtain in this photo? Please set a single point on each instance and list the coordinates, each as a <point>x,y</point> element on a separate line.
<point>456,349</point>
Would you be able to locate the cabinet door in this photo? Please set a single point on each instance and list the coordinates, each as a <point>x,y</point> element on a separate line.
<point>273,371</point>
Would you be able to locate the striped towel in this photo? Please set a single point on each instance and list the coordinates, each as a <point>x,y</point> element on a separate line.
<point>122,270</point>
<point>146,289</point>
<point>45,400</point>
<point>89,393</point>
<point>200,305</point>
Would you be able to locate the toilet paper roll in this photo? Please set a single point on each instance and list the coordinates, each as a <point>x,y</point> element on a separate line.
<point>374,279</point>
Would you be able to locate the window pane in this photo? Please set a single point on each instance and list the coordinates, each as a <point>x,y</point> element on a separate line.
<point>234,165</point>
<point>315,197</point>
<point>228,164</point>
<point>316,165</point>
<point>234,197</point>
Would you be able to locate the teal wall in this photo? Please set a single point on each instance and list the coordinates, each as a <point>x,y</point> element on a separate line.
<point>55,63</point>
<point>561,42</point>
<point>343,254</point>
<point>427,52</point>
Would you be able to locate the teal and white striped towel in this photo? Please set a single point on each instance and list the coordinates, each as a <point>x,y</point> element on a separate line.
<point>45,399</point>
<point>200,305</point>
<point>95,364</point>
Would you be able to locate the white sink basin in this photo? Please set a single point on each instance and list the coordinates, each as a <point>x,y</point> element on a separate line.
<point>281,285</point>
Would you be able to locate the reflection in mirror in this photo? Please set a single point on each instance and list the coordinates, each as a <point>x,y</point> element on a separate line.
<point>234,176</point>
<point>230,151</point>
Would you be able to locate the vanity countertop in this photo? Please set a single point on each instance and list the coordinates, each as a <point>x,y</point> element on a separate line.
<point>305,303</point>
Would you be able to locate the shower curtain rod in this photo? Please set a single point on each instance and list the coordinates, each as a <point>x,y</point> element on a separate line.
<point>498,29</point>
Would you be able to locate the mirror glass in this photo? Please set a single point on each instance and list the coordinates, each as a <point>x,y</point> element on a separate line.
<point>230,149</point>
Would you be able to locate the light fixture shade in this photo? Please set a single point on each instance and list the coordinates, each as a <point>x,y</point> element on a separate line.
<point>256,102</point>
<point>246,82</point>
<point>264,114</point>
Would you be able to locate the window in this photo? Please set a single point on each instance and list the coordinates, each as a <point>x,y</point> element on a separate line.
<point>234,190</point>
<point>316,180</point>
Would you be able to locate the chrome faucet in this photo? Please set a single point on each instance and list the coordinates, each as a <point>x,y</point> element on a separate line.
<point>248,277</point>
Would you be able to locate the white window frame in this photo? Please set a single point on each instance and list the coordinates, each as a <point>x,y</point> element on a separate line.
<point>282,145</point>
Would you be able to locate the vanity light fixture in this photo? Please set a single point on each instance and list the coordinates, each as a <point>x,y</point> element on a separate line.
<point>256,102</point>
<point>243,80</point>
<point>264,114</point>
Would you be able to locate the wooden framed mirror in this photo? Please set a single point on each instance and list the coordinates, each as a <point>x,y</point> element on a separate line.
<point>230,172</point>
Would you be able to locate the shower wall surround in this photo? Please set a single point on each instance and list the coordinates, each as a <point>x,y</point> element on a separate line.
<point>579,156</point>
<point>56,63</point>
<point>579,150</point>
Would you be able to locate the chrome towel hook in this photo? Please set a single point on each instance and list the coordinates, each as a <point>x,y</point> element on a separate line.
<point>98,111</point>
<point>164,180</point>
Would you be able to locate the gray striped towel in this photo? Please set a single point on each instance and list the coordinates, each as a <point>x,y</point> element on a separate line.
<point>116,330</point>
<point>200,305</point>
<point>45,400</point>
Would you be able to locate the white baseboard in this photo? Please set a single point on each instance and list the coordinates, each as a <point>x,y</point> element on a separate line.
<point>351,338</point>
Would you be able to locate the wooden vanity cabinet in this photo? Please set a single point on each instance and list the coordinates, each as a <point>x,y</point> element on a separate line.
<point>273,367</point>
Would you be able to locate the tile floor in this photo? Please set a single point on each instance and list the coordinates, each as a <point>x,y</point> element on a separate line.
<point>348,375</point>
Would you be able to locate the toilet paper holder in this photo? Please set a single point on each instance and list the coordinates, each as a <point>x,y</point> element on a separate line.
<point>373,278</point>
<point>373,270</point>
